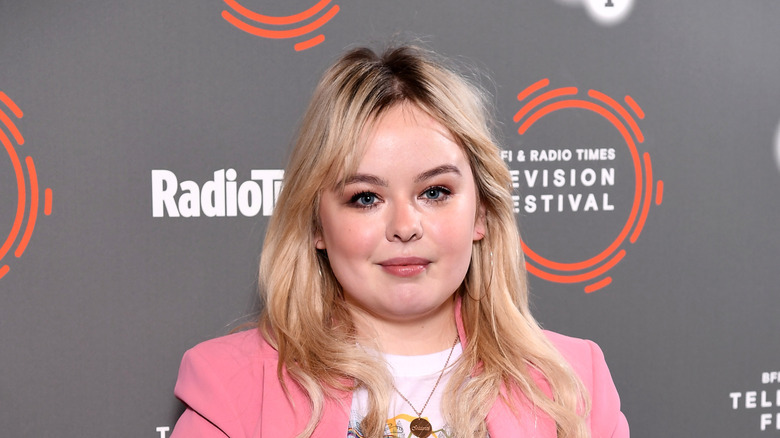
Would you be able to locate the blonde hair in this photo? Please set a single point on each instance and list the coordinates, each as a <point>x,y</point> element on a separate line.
<point>305,316</point>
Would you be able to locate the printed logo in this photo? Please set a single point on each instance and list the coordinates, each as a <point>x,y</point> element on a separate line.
<point>604,12</point>
<point>222,196</point>
<point>767,399</point>
<point>582,180</point>
<point>291,26</point>
<point>21,215</point>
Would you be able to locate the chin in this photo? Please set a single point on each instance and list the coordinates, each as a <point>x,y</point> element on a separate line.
<point>416,305</point>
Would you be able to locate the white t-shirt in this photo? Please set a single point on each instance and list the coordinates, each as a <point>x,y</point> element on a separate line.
<point>414,377</point>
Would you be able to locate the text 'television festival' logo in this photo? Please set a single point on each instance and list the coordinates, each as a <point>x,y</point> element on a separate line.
<point>290,26</point>
<point>27,189</point>
<point>583,184</point>
<point>763,403</point>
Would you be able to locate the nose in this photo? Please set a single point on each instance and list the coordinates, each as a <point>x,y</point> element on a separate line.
<point>404,223</point>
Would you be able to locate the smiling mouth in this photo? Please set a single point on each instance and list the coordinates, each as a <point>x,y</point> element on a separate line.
<point>405,266</point>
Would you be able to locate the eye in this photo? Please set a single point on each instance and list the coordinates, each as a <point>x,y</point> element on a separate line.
<point>363,199</point>
<point>436,193</point>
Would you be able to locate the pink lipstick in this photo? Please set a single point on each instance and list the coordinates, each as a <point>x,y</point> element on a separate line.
<point>405,266</point>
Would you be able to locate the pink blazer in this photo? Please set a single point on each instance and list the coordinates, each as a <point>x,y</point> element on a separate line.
<point>231,389</point>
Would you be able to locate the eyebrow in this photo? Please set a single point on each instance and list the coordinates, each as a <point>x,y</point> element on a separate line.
<point>428,174</point>
<point>365,178</point>
<point>436,171</point>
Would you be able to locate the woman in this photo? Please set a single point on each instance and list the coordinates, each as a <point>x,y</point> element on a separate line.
<point>394,289</point>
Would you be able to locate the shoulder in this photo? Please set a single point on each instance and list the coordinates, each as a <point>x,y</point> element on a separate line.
<point>581,354</point>
<point>221,381</point>
<point>234,357</point>
<point>587,360</point>
<point>231,387</point>
<point>235,349</point>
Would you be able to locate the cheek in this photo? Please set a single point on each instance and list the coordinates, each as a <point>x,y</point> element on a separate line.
<point>453,237</point>
<point>348,238</point>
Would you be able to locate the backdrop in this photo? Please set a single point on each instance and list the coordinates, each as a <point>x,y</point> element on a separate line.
<point>143,144</point>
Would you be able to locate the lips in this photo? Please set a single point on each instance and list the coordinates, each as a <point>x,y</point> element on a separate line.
<point>405,266</point>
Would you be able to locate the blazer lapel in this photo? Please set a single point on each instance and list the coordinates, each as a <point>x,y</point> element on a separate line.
<point>288,416</point>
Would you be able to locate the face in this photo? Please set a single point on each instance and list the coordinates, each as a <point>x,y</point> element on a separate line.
<point>399,238</point>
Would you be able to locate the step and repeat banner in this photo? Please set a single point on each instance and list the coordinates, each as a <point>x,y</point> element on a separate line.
<point>143,147</point>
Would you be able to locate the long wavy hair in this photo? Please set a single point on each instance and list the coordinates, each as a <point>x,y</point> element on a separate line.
<point>305,316</point>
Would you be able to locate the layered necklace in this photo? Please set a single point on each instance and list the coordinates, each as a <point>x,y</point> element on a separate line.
<point>420,427</point>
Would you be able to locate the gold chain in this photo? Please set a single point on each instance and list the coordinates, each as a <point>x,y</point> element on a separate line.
<point>419,414</point>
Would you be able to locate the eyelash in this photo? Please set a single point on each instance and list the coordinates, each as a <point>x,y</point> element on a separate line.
<point>444,194</point>
<point>353,200</point>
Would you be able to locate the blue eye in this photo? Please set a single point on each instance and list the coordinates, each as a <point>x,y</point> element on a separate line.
<point>363,199</point>
<point>435,193</point>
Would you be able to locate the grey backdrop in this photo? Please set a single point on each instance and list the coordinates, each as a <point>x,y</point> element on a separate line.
<point>97,311</point>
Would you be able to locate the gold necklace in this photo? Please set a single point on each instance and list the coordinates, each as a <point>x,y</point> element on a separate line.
<point>420,427</point>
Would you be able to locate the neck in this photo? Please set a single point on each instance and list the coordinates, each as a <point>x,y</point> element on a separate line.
<point>425,335</point>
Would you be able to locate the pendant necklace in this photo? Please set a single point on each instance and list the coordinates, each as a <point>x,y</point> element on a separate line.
<point>420,427</point>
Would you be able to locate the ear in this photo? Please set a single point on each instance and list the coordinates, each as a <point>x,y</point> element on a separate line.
<point>479,224</point>
<point>319,242</point>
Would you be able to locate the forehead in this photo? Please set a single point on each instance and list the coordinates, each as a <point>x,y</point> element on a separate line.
<point>406,135</point>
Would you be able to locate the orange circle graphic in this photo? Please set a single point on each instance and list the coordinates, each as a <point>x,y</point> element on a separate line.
<point>271,21</point>
<point>624,123</point>
<point>21,186</point>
